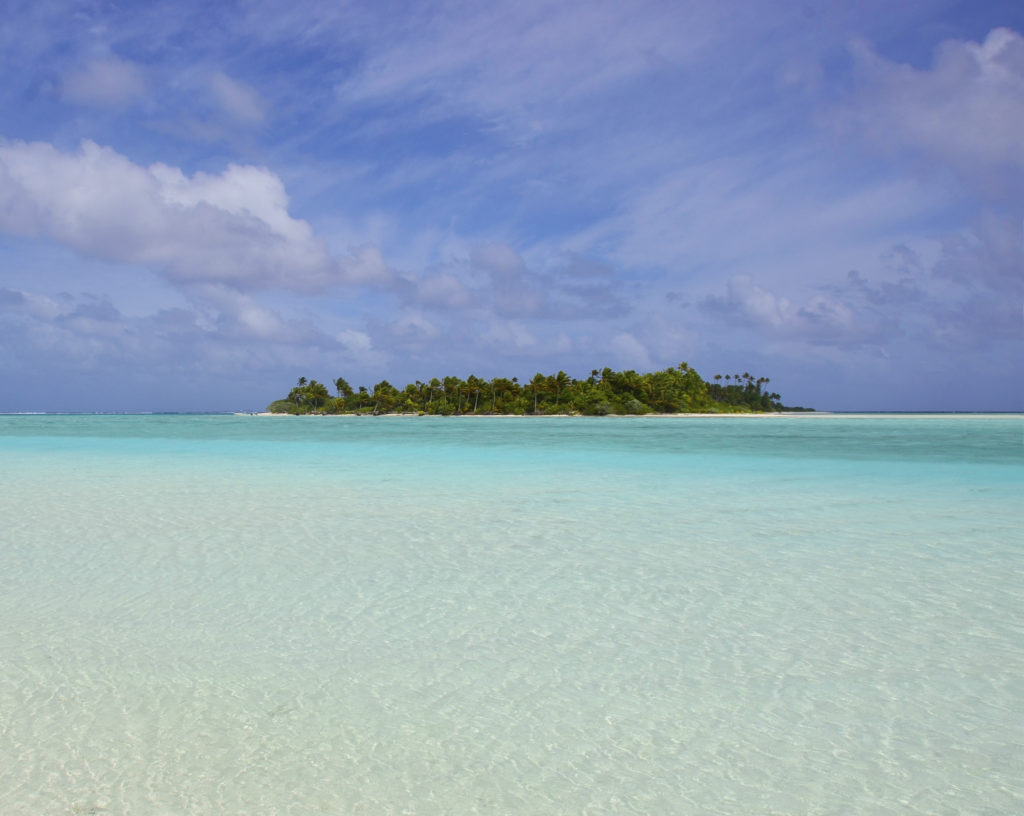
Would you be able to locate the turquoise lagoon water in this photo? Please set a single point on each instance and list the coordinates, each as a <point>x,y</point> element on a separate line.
<point>249,615</point>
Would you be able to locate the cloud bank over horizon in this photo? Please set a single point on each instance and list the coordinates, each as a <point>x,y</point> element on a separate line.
<point>831,198</point>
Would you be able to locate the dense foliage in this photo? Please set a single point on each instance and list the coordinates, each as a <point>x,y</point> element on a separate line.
<point>674,390</point>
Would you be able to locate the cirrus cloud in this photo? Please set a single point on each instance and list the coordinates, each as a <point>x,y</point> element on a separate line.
<point>105,82</point>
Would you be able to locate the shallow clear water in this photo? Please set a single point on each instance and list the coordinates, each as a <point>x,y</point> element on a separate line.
<point>247,615</point>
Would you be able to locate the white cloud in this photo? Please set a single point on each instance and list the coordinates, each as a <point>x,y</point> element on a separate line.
<point>31,304</point>
<point>734,213</point>
<point>524,64</point>
<point>493,278</point>
<point>223,330</point>
<point>105,82</point>
<point>757,304</point>
<point>231,228</point>
<point>239,316</point>
<point>365,264</point>
<point>989,255</point>
<point>414,326</point>
<point>967,110</point>
<point>500,261</point>
<point>237,99</point>
<point>242,191</point>
<point>508,286</point>
<point>509,336</point>
<point>841,316</point>
<point>851,314</point>
<point>443,291</point>
<point>354,340</point>
<point>357,350</point>
<point>629,352</point>
<point>922,308</point>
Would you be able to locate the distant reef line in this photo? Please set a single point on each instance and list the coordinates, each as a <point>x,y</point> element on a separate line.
<point>675,390</point>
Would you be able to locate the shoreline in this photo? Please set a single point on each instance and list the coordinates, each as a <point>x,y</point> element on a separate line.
<point>854,415</point>
<point>761,415</point>
<point>535,416</point>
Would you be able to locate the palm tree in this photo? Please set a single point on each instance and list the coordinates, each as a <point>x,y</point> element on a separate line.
<point>648,386</point>
<point>536,384</point>
<point>559,381</point>
<point>299,391</point>
<point>452,386</point>
<point>317,393</point>
<point>343,388</point>
<point>501,387</point>
<point>472,386</point>
<point>384,394</point>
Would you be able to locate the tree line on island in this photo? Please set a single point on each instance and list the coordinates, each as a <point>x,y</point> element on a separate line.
<point>606,392</point>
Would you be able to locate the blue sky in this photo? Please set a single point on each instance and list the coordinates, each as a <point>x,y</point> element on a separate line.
<point>200,203</point>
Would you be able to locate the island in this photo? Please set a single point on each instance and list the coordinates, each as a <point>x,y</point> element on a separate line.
<point>605,392</point>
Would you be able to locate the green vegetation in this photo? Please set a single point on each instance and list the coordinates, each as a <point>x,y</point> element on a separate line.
<point>674,390</point>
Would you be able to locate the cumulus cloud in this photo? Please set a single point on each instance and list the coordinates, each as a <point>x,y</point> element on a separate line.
<point>415,327</point>
<point>510,335</point>
<point>30,304</point>
<point>961,120</point>
<point>105,82</point>
<point>443,291</point>
<point>222,331</point>
<point>365,264</point>
<point>841,316</point>
<point>960,303</point>
<point>967,110</point>
<point>753,304</point>
<point>988,255</point>
<point>80,331</point>
<point>354,340</point>
<point>238,316</point>
<point>587,287</point>
<point>629,352</point>
<point>513,290</point>
<point>495,278</point>
<point>231,228</point>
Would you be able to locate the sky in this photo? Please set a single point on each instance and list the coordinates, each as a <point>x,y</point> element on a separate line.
<point>201,202</point>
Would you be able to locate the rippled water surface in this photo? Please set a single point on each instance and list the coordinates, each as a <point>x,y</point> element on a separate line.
<point>402,615</point>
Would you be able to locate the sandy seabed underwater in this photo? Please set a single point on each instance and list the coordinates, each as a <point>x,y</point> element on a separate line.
<point>247,615</point>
